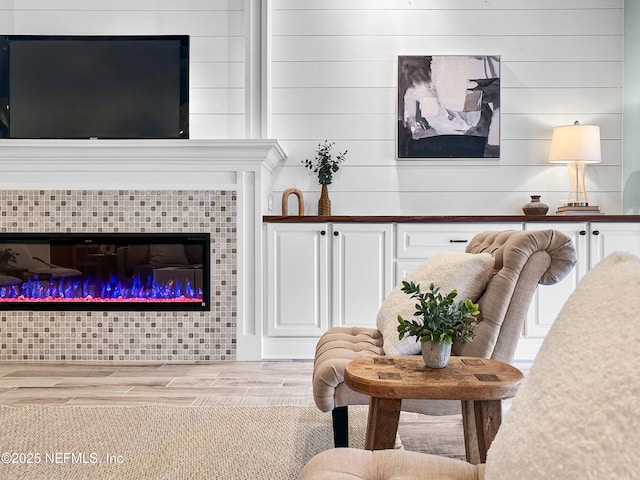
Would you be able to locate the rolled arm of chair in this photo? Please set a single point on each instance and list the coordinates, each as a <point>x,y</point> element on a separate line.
<point>335,349</point>
<point>523,259</point>
<point>513,249</point>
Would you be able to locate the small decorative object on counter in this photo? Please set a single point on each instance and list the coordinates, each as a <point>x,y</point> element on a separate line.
<point>324,203</point>
<point>535,206</point>
<point>285,201</point>
<point>325,166</point>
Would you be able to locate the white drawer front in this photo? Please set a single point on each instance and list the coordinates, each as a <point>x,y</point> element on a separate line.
<point>421,241</point>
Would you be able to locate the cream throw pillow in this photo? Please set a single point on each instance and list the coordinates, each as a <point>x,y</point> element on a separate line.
<point>468,273</point>
<point>576,414</point>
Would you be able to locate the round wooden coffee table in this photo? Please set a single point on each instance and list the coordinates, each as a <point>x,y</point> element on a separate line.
<point>479,383</point>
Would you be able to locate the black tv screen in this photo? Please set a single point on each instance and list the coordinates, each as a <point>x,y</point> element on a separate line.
<point>111,87</point>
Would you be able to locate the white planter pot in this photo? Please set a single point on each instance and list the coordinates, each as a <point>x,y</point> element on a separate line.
<point>434,355</point>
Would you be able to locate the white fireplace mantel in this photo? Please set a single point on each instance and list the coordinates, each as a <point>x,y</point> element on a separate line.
<point>241,165</point>
<point>132,163</point>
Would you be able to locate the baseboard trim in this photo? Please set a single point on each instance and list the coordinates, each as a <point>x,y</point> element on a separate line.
<point>295,348</point>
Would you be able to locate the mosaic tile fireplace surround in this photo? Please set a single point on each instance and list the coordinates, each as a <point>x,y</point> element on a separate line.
<point>82,189</point>
<point>186,336</point>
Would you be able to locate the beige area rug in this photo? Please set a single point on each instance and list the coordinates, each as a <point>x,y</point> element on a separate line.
<point>160,442</point>
<point>443,436</point>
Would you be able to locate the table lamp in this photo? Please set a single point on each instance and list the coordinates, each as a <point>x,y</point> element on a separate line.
<point>576,145</point>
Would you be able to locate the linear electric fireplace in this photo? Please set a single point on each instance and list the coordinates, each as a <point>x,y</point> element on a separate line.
<point>105,271</point>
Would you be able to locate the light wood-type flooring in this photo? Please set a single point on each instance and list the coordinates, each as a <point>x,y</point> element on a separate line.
<point>217,384</point>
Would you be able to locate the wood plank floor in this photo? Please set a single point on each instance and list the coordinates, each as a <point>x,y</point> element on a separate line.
<point>216,384</point>
<point>225,383</point>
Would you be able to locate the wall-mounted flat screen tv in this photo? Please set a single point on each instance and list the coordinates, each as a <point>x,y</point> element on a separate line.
<point>82,87</point>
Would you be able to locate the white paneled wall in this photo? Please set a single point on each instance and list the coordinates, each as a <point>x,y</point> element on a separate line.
<point>333,75</point>
<point>217,35</point>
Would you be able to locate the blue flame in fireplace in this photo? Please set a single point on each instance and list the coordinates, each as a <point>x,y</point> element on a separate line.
<point>73,289</point>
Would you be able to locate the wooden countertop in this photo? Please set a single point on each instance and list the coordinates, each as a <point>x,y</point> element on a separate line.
<point>449,218</point>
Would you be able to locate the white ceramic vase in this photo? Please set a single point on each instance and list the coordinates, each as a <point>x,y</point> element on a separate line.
<point>434,355</point>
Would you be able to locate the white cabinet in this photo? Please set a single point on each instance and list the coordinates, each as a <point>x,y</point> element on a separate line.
<point>362,273</point>
<point>609,237</point>
<point>593,242</point>
<point>297,281</point>
<point>549,299</point>
<point>418,241</point>
<point>321,275</point>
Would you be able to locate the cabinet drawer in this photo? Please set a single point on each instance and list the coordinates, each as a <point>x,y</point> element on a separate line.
<point>425,240</point>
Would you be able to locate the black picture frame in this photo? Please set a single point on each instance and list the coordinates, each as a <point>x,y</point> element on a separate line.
<point>448,106</point>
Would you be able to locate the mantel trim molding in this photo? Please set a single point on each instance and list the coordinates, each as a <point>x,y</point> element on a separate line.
<point>234,154</point>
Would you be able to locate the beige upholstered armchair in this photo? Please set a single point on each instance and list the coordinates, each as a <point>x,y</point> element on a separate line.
<point>522,260</point>
<point>575,416</point>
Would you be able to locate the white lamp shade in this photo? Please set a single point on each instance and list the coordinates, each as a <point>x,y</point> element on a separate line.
<point>575,143</point>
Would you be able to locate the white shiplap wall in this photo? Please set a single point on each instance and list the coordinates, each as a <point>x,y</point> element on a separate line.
<point>333,75</point>
<point>217,35</point>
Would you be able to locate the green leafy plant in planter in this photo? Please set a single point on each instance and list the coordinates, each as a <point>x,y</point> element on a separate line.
<point>325,166</point>
<point>8,255</point>
<point>439,320</point>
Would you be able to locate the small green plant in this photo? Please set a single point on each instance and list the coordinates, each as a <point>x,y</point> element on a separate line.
<point>8,255</point>
<point>324,164</point>
<point>440,319</point>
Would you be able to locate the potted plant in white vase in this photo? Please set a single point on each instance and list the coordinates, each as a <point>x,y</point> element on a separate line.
<point>438,320</point>
<point>325,166</point>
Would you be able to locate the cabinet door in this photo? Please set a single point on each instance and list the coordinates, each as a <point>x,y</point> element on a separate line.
<point>607,238</point>
<point>297,278</point>
<point>549,299</point>
<point>362,276</point>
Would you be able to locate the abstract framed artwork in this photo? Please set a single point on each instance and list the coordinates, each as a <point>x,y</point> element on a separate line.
<point>448,106</point>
